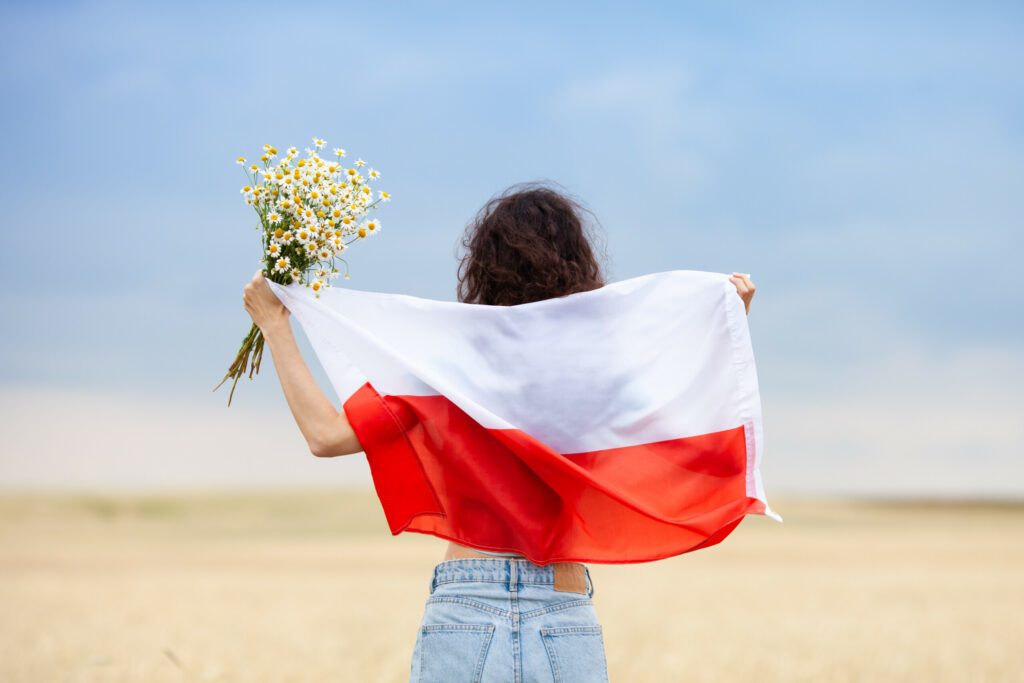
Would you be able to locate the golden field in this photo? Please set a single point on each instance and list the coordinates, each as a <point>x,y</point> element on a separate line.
<point>311,586</point>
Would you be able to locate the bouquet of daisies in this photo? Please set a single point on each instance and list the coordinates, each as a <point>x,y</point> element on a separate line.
<point>310,209</point>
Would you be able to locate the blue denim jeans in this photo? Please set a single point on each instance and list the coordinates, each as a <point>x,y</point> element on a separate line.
<point>496,620</point>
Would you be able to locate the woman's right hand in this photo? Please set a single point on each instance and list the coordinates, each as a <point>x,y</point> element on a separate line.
<point>744,287</point>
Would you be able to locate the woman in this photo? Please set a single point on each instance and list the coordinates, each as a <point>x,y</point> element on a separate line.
<point>489,616</point>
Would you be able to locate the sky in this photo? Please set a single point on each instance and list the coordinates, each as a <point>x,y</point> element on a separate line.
<point>864,164</point>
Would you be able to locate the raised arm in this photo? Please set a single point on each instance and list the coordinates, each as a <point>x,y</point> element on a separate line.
<point>327,430</point>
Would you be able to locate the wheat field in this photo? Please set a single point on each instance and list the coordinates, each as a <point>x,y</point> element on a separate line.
<point>311,586</point>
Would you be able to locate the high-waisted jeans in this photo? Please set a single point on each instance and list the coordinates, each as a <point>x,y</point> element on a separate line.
<point>501,621</point>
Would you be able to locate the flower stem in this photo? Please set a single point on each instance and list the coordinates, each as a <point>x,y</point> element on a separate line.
<point>252,346</point>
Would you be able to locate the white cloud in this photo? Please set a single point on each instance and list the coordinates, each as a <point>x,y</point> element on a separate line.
<point>642,90</point>
<point>916,420</point>
<point>641,121</point>
<point>87,440</point>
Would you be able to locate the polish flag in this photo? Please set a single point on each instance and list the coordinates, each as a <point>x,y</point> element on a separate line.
<point>617,425</point>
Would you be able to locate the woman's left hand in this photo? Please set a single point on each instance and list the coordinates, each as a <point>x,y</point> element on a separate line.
<point>744,287</point>
<point>265,309</point>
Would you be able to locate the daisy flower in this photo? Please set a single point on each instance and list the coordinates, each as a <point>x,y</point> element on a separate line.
<point>322,203</point>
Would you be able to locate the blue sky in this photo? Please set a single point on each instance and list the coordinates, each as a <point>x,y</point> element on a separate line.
<point>864,164</point>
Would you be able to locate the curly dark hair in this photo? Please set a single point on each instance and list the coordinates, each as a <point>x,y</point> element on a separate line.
<point>526,244</point>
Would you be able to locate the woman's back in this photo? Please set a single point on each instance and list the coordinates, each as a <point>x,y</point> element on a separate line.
<point>496,615</point>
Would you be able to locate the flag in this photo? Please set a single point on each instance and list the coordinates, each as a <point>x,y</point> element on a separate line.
<point>621,424</point>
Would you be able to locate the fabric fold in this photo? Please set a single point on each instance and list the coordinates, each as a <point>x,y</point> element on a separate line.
<point>617,425</point>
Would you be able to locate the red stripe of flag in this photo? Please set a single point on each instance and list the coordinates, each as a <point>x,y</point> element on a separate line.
<point>439,472</point>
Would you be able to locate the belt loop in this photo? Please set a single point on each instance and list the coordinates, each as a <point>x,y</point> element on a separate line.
<point>433,582</point>
<point>513,577</point>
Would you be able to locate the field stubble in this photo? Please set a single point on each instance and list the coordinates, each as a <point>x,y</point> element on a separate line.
<point>310,586</point>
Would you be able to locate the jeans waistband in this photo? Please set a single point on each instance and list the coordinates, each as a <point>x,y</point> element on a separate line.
<point>513,573</point>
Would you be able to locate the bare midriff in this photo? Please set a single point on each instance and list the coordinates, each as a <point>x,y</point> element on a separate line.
<point>457,550</point>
